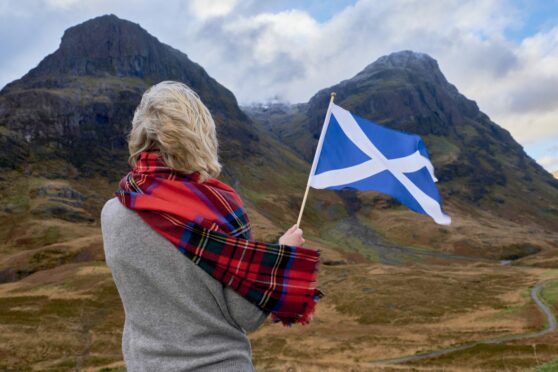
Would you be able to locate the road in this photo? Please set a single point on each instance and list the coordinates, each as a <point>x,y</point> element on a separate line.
<point>535,295</point>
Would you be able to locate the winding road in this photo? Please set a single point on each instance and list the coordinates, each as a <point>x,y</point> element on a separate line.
<point>535,295</point>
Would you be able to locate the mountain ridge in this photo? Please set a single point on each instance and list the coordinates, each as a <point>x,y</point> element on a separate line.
<point>87,89</point>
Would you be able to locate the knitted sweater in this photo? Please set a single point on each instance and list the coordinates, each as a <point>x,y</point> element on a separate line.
<point>177,317</point>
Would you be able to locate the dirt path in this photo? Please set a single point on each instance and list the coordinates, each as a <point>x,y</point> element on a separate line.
<point>535,292</point>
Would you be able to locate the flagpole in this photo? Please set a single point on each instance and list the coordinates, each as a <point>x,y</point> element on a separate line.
<point>316,155</point>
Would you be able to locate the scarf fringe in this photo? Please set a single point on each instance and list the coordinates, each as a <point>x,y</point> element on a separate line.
<point>303,319</point>
<point>289,320</point>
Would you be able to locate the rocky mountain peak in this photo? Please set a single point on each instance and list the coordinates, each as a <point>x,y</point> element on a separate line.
<point>107,45</point>
<point>417,64</point>
<point>406,59</point>
<point>107,34</point>
<point>78,102</point>
<point>406,88</point>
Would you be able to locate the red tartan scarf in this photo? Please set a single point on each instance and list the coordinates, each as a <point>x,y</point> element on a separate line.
<point>208,223</point>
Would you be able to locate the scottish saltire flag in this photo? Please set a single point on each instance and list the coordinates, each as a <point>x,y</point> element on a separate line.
<point>359,154</point>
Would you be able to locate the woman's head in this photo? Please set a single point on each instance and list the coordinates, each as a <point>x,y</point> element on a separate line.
<point>171,119</point>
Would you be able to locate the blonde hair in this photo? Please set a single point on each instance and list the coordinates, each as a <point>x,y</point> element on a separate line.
<point>172,120</point>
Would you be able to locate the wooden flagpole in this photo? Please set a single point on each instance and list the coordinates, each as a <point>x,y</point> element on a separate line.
<point>316,155</point>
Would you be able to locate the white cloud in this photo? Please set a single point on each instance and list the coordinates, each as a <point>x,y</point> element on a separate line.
<point>64,4</point>
<point>519,92</point>
<point>205,9</point>
<point>549,162</point>
<point>326,53</point>
<point>275,34</point>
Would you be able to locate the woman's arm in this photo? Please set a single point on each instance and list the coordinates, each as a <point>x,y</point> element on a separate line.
<point>247,315</point>
<point>269,275</point>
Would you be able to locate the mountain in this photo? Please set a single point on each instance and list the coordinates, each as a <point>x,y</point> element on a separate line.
<point>63,130</point>
<point>483,172</point>
<point>77,103</point>
<point>407,91</point>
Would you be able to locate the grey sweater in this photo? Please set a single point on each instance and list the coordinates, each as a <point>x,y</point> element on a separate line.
<point>177,317</point>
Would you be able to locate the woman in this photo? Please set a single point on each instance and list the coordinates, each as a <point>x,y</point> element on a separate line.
<point>178,242</point>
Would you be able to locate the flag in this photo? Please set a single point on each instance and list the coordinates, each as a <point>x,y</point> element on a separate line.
<point>355,153</point>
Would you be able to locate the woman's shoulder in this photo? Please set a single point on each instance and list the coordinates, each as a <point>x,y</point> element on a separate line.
<point>114,211</point>
<point>110,206</point>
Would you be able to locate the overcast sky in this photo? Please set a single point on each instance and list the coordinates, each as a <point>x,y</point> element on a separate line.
<point>501,53</point>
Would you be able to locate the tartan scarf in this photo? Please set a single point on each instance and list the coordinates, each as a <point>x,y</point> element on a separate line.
<point>208,223</point>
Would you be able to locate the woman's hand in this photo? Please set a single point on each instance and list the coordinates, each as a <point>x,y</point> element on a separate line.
<point>292,236</point>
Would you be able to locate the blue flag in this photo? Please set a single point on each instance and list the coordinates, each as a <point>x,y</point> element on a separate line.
<point>355,153</point>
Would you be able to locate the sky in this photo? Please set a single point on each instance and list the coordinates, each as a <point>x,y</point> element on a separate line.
<point>501,53</point>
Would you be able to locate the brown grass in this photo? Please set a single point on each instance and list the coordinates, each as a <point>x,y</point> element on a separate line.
<point>64,312</point>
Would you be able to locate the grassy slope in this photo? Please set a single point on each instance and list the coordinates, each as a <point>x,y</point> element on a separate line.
<point>75,317</point>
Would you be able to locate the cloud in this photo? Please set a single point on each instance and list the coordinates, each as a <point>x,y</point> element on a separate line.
<point>522,97</point>
<point>290,55</point>
<point>549,158</point>
<point>64,4</point>
<point>204,9</point>
<point>467,35</point>
<point>549,162</point>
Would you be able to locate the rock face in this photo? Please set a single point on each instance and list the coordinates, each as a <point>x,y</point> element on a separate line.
<point>77,104</point>
<point>475,160</point>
